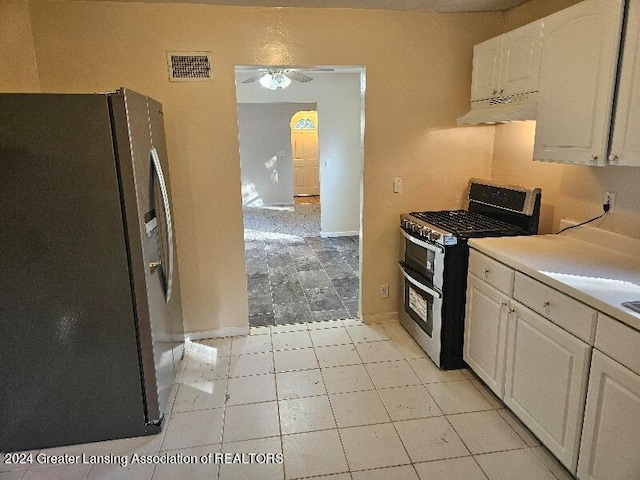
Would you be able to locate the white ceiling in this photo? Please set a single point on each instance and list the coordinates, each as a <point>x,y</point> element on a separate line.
<point>422,5</point>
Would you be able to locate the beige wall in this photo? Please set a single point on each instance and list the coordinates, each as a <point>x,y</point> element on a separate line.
<point>569,191</point>
<point>418,79</point>
<point>18,70</point>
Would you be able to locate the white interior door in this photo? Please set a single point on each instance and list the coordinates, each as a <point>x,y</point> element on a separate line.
<point>304,148</point>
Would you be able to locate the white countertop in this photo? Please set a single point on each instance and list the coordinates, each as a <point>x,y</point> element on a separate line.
<point>597,275</point>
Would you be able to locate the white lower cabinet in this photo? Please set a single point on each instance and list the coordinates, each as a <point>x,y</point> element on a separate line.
<point>569,373</point>
<point>486,332</point>
<point>611,438</point>
<point>546,377</point>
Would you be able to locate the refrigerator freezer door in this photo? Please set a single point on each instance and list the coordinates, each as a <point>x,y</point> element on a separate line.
<point>133,141</point>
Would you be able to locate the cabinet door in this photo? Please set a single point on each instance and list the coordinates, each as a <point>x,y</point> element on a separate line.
<point>485,81</point>
<point>625,145</point>
<point>520,70</point>
<point>611,436</point>
<point>577,81</point>
<point>485,333</point>
<point>546,381</point>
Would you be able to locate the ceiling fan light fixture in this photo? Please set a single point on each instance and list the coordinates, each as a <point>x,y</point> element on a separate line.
<point>275,80</point>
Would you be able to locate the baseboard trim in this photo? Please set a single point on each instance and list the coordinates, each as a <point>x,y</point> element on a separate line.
<point>220,332</point>
<point>339,234</point>
<point>388,317</point>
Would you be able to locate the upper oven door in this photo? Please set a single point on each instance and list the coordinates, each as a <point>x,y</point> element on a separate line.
<point>423,260</point>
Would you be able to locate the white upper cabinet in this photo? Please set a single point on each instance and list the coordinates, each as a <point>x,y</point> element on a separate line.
<point>507,64</point>
<point>485,82</point>
<point>520,65</point>
<point>625,145</point>
<point>577,82</point>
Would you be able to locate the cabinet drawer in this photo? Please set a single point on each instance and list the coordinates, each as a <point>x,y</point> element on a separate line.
<point>491,271</point>
<point>570,314</point>
<point>620,342</point>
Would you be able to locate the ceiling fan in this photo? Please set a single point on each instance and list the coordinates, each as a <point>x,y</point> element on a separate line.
<point>274,79</point>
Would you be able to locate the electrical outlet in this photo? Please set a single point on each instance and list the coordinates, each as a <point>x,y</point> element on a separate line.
<point>610,198</point>
<point>384,291</point>
<point>397,185</point>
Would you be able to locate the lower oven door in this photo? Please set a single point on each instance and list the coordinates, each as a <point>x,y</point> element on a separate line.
<point>421,313</point>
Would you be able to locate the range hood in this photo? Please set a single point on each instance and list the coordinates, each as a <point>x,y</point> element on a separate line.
<point>513,108</point>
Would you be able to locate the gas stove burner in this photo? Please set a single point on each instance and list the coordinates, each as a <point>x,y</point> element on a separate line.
<point>465,224</point>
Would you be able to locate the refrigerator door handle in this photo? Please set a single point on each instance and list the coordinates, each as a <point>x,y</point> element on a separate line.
<point>157,167</point>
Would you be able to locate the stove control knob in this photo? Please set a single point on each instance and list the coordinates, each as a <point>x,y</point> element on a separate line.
<point>423,231</point>
<point>433,236</point>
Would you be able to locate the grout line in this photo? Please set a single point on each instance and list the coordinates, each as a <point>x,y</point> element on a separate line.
<point>273,359</point>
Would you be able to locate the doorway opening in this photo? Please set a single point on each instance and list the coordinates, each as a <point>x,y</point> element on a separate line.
<point>301,154</point>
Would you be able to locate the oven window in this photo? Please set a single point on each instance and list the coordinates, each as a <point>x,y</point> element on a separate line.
<point>419,306</point>
<point>420,261</point>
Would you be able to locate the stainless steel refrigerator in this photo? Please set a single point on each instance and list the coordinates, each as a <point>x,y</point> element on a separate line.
<point>90,313</point>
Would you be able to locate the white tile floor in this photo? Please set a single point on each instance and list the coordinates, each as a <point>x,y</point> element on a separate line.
<point>340,400</point>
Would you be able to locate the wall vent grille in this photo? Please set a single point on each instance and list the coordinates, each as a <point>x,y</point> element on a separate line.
<point>189,66</point>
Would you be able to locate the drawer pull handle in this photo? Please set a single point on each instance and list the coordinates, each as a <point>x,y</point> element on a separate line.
<point>485,271</point>
<point>503,304</point>
<point>512,310</point>
<point>546,304</point>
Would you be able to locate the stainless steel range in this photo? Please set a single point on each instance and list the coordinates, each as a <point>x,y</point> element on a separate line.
<point>435,258</point>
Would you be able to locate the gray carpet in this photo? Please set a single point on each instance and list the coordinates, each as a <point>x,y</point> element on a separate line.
<point>281,223</point>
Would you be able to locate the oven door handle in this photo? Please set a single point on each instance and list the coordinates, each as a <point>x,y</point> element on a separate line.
<point>421,286</point>
<point>420,243</point>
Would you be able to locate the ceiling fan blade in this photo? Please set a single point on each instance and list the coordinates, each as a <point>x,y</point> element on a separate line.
<point>253,79</point>
<point>297,76</point>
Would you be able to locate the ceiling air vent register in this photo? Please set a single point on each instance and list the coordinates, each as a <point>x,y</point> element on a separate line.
<point>189,66</point>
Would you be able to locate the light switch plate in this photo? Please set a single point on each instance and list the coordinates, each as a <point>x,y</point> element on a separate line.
<point>397,185</point>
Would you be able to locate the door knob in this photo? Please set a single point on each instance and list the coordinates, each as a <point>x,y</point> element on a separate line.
<point>153,266</point>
